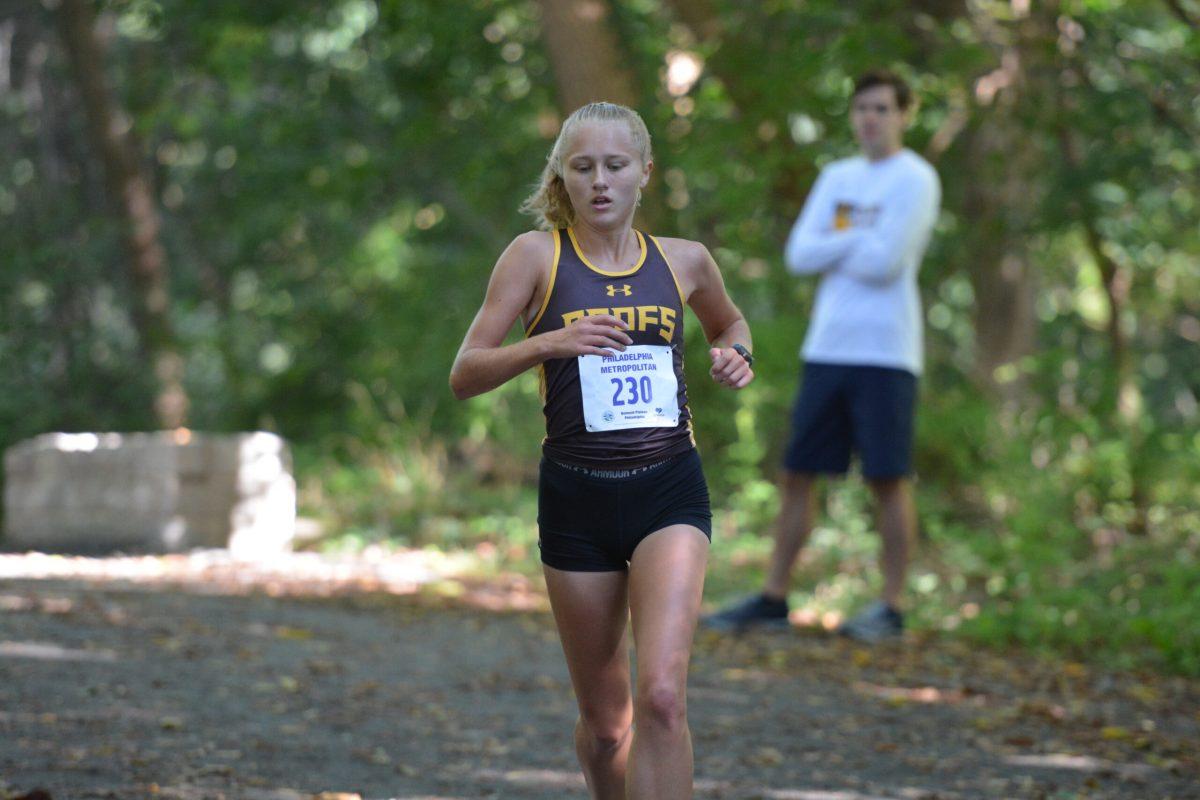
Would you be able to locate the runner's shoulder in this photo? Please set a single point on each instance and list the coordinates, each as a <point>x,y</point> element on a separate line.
<point>530,253</point>
<point>684,253</point>
<point>531,244</point>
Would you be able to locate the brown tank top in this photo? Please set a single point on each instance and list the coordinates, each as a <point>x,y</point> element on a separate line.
<point>648,298</point>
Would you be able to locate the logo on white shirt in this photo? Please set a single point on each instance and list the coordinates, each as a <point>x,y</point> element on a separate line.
<point>847,215</point>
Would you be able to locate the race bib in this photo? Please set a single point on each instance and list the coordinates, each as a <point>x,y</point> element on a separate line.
<point>633,389</point>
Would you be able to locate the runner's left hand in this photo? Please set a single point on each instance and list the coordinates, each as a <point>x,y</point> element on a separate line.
<point>729,368</point>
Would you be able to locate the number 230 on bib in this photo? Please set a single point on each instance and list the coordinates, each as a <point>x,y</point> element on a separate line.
<point>636,388</point>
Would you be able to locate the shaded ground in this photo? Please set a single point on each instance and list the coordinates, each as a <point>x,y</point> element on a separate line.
<point>196,684</point>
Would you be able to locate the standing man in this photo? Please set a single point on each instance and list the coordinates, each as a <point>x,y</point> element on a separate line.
<point>864,229</point>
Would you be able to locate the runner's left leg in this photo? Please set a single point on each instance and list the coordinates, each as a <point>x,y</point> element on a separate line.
<point>666,580</point>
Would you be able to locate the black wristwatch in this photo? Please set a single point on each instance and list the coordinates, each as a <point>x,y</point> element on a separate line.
<point>741,350</point>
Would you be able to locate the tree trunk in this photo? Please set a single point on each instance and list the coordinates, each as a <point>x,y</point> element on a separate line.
<point>994,209</point>
<point>1003,190</point>
<point>588,64</point>
<point>132,197</point>
<point>1123,396</point>
<point>585,53</point>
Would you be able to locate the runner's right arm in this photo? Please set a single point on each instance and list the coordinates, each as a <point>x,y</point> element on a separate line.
<point>484,362</point>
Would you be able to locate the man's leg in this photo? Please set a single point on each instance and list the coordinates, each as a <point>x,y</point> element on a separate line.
<point>797,509</point>
<point>896,516</point>
<point>883,406</point>
<point>797,500</point>
<point>820,443</point>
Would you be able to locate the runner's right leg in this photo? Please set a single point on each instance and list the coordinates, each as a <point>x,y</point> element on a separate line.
<point>591,610</point>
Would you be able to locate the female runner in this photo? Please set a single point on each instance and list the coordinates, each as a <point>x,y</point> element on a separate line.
<point>623,509</point>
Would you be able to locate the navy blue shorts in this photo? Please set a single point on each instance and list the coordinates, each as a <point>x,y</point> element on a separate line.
<point>591,523</point>
<point>844,407</point>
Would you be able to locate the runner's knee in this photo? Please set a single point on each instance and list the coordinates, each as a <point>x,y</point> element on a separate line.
<point>606,727</point>
<point>662,704</point>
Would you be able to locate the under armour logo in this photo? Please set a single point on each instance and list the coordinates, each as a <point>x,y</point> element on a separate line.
<point>625,290</point>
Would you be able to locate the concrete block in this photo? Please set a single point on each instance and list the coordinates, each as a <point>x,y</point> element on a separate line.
<point>150,492</point>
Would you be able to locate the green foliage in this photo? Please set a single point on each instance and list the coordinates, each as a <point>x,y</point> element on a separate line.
<point>336,180</point>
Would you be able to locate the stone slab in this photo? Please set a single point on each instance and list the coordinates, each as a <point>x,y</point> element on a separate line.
<point>165,491</point>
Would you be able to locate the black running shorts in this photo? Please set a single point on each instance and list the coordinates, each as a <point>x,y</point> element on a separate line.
<point>843,408</point>
<point>592,520</point>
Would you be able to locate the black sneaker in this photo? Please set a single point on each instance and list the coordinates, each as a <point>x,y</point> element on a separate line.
<point>877,623</point>
<point>758,611</point>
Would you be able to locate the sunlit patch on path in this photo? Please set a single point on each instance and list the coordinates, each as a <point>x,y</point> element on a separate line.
<point>456,575</point>
<point>48,651</point>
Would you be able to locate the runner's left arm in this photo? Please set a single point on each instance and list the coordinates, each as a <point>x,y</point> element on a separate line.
<point>723,323</point>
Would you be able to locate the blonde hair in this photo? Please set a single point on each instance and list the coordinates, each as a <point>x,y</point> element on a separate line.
<point>550,203</point>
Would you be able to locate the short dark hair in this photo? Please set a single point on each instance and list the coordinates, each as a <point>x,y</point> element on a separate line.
<point>883,77</point>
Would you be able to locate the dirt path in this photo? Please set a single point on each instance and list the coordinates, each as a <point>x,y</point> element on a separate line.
<point>113,690</point>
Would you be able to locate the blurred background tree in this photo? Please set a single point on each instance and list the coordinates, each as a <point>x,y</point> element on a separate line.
<point>332,183</point>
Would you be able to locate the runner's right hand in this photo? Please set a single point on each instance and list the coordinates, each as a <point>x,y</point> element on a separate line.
<point>597,335</point>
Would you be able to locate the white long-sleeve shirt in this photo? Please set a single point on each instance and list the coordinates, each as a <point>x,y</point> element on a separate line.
<point>865,227</point>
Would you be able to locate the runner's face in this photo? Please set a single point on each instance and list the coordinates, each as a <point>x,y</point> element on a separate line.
<point>877,121</point>
<point>603,172</point>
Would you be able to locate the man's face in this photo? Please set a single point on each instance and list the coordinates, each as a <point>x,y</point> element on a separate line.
<point>877,121</point>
